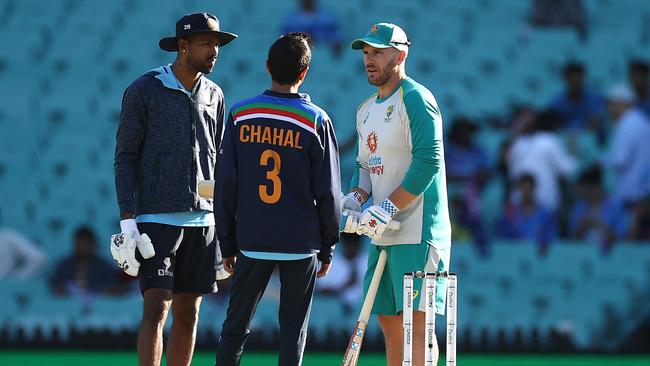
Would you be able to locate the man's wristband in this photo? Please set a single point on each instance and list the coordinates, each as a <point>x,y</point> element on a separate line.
<point>357,197</point>
<point>389,207</point>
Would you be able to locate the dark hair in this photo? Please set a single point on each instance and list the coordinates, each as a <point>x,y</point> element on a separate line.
<point>592,176</point>
<point>527,178</point>
<point>289,56</point>
<point>460,126</point>
<point>84,232</point>
<point>638,66</point>
<point>547,120</point>
<point>573,67</point>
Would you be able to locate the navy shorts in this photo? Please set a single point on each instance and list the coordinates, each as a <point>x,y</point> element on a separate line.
<point>184,260</point>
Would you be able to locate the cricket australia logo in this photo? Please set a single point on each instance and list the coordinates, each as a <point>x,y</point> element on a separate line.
<point>389,112</point>
<point>373,29</point>
<point>372,141</point>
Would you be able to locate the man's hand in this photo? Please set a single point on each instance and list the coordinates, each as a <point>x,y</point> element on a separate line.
<point>375,218</point>
<point>353,201</point>
<point>123,247</point>
<point>229,264</point>
<point>219,270</point>
<point>324,268</point>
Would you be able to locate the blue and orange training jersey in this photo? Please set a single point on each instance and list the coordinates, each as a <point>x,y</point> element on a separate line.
<point>278,178</point>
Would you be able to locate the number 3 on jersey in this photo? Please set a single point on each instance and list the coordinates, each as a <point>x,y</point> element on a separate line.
<point>273,176</point>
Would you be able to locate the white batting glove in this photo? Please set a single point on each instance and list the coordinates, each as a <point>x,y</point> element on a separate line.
<point>350,221</point>
<point>123,247</point>
<point>353,201</point>
<point>130,228</point>
<point>123,252</point>
<point>375,219</point>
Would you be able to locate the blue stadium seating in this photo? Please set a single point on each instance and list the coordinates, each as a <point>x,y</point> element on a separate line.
<point>63,83</point>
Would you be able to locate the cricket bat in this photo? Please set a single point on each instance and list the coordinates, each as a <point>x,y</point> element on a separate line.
<point>206,188</point>
<point>354,347</point>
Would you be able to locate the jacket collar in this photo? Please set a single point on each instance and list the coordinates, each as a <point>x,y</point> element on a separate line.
<point>169,80</point>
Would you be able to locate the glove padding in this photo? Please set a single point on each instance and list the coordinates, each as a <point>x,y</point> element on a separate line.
<point>123,250</point>
<point>375,219</point>
<point>350,221</point>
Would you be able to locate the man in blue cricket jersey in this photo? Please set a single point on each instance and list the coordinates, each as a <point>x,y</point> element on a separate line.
<point>279,201</point>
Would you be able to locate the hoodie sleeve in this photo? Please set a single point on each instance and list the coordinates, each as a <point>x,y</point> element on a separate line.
<point>226,181</point>
<point>326,185</point>
<point>130,134</point>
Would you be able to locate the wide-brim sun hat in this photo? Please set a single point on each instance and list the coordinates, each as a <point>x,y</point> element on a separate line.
<point>194,24</point>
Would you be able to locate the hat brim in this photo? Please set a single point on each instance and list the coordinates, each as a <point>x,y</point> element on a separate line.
<point>170,44</point>
<point>357,44</point>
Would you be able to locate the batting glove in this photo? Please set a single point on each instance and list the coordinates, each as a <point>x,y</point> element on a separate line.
<point>375,218</point>
<point>123,247</point>
<point>353,201</point>
<point>350,221</point>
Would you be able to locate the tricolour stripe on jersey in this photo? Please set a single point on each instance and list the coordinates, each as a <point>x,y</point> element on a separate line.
<point>272,111</point>
<point>276,117</point>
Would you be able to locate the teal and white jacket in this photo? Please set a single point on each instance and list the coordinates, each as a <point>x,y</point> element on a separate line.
<point>400,143</point>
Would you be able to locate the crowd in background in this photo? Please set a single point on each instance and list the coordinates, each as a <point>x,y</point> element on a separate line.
<point>548,193</point>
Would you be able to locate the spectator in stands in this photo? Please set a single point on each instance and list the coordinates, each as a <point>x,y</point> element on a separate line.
<point>579,107</point>
<point>20,257</point>
<point>595,217</point>
<point>520,122</point>
<point>638,76</point>
<point>322,25</point>
<point>560,13</point>
<point>83,273</point>
<point>346,276</point>
<point>540,153</point>
<point>629,154</point>
<point>467,172</point>
<point>525,219</point>
<point>640,226</point>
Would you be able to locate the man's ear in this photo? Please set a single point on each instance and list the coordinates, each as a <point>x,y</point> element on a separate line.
<point>402,57</point>
<point>303,74</point>
<point>183,45</point>
<point>268,67</point>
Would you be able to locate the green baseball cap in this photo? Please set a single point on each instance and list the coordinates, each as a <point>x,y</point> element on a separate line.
<point>383,35</point>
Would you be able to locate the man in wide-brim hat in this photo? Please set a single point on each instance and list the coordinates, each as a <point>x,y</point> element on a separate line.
<point>168,137</point>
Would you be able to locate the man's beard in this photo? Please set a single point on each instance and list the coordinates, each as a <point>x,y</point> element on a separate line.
<point>203,67</point>
<point>383,77</point>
